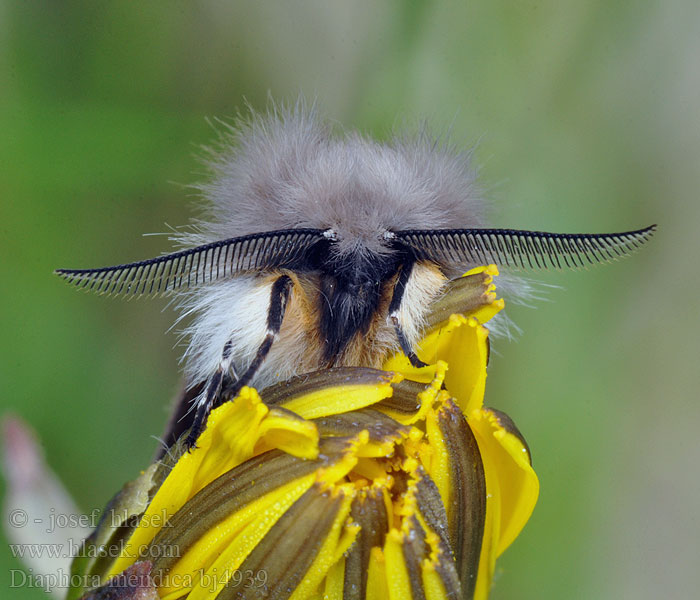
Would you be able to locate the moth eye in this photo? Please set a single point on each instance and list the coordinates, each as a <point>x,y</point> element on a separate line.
<point>330,234</point>
<point>389,235</point>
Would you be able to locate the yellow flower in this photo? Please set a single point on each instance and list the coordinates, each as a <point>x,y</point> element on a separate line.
<point>344,483</point>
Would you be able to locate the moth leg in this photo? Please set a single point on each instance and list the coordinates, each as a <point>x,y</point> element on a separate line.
<point>205,401</point>
<point>217,389</point>
<point>395,306</point>
<point>279,296</point>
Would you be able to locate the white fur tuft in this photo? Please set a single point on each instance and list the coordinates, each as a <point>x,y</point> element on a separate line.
<point>234,310</point>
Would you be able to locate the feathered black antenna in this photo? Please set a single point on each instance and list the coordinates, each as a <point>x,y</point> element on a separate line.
<point>521,249</point>
<point>289,248</point>
<point>203,264</point>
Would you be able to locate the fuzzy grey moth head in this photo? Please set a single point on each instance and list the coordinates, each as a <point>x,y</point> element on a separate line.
<point>290,169</point>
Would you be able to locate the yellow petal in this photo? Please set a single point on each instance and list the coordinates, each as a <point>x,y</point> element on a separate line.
<point>465,295</point>
<point>464,348</point>
<point>433,585</point>
<point>437,462</point>
<point>288,432</point>
<point>334,583</point>
<point>409,408</point>
<point>377,583</point>
<point>398,582</point>
<point>341,398</point>
<point>515,481</point>
<point>399,363</point>
<point>337,470</point>
<point>338,540</point>
<point>458,471</point>
<point>462,344</point>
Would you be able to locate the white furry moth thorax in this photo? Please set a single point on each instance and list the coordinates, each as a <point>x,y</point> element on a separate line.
<point>318,251</point>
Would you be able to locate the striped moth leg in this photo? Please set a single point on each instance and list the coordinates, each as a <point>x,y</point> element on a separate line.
<point>219,387</point>
<point>394,311</point>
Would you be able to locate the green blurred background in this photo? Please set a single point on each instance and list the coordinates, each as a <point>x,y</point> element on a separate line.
<point>587,118</point>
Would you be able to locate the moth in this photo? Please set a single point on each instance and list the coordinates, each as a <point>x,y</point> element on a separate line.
<point>319,250</point>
